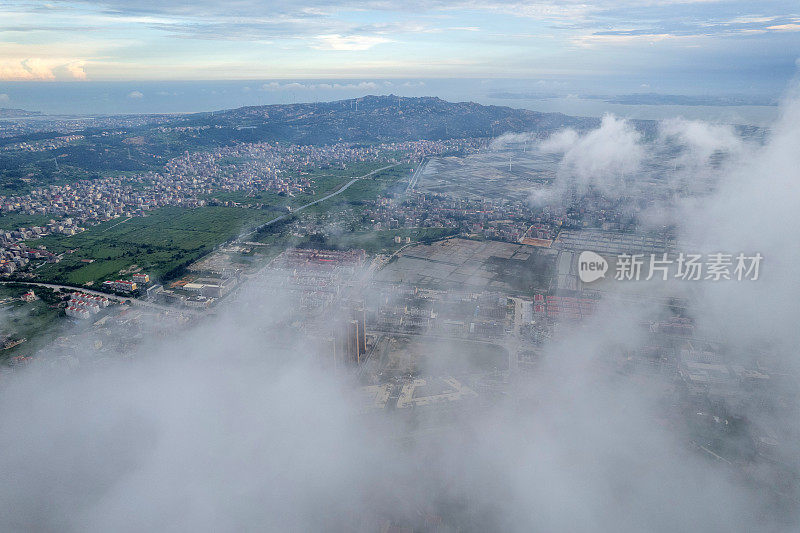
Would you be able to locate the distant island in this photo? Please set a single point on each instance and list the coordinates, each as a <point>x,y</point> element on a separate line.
<point>680,99</point>
<point>653,99</point>
<point>17,113</point>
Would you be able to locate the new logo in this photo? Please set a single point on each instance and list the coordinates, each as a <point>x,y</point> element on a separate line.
<point>591,266</point>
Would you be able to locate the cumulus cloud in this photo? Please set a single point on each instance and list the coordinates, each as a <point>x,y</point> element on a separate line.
<point>135,95</point>
<point>76,70</point>
<point>682,157</point>
<point>40,69</point>
<point>27,69</point>
<point>601,158</point>
<point>723,191</point>
<point>754,209</point>
<point>559,142</point>
<point>700,139</point>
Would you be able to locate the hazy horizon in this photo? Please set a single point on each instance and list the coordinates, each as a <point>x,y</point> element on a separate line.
<point>571,98</point>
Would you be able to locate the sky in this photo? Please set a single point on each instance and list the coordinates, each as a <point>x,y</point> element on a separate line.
<point>742,46</point>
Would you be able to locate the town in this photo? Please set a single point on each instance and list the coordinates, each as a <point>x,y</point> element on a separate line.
<point>436,281</point>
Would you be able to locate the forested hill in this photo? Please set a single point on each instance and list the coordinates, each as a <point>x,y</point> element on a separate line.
<point>383,118</point>
<point>147,142</point>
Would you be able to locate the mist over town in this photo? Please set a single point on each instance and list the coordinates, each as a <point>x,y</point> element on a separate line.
<point>438,267</point>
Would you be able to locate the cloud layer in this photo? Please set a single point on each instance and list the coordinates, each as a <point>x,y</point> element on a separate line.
<point>160,40</point>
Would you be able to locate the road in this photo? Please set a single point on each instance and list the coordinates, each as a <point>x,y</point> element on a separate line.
<point>143,303</point>
<point>309,204</point>
<point>415,176</point>
<point>118,223</point>
<point>121,299</point>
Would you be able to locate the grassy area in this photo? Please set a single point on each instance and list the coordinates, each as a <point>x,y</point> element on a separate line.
<point>365,190</point>
<point>169,239</point>
<point>13,221</point>
<point>162,243</point>
<point>325,182</point>
<point>36,321</point>
<point>383,240</point>
<point>373,241</point>
<point>355,197</point>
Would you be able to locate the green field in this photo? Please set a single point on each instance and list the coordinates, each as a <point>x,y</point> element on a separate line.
<point>13,221</point>
<point>35,321</point>
<point>167,240</point>
<point>161,243</point>
<point>373,241</point>
<point>354,198</point>
<point>383,240</point>
<point>325,181</point>
<point>366,190</point>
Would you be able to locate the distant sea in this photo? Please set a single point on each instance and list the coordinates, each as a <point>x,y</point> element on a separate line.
<point>110,98</point>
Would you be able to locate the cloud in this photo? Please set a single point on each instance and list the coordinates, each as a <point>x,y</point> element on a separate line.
<point>236,422</point>
<point>349,42</point>
<point>560,141</point>
<point>753,209</point>
<point>135,95</point>
<point>228,427</point>
<point>27,69</point>
<point>700,139</point>
<point>785,27</point>
<point>621,38</point>
<point>4,98</point>
<point>41,69</point>
<point>601,158</point>
<point>76,70</point>
<point>290,31</point>
<point>298,86</point>
<point>683,157</point>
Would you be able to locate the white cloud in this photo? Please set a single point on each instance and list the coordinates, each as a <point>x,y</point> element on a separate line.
<point>785,27</point>
<point>76,70</point>
<point>559,142</point>
<point>347,42</point>
<point>42,69</point>
<point>601,157</point>
<point>27,69</point>
<point>296,86</point>
<point>754,209</point>
<point>4,98</point>
<point>700,139</point>
<point>625,38</point>
<point>135,95</point>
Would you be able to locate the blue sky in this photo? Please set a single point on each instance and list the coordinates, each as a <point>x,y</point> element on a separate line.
<point>734,42</point>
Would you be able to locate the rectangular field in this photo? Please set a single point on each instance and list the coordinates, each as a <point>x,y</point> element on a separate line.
<point>161,244</point>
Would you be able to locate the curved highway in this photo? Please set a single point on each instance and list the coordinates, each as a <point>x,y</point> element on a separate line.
<point>121,299</point>
<point>318,200</point>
